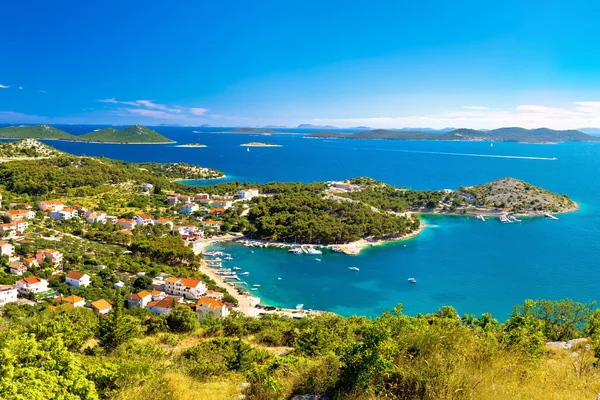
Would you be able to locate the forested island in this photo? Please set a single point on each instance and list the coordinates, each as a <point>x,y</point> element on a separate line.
<point>542,135</point>
<point>135,134</point>
<point>260,144</point>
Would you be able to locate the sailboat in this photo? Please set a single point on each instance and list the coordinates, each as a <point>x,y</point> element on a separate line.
<point>248,149</point>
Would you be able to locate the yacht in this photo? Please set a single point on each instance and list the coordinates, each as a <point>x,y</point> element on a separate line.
<point>254,288</point>
<point>256,285</point>
<point>412,280</point>
<point>550,216</point>
<point>228,257</point>
<point>278,278</point>
<point>354,269</point>
<point>312,251</point>
<point>295,250</point>
<point>504,219</point>
<point>236,268</point>
<point>318,259</point>
<point>244,273</point>
<point>513,219</point>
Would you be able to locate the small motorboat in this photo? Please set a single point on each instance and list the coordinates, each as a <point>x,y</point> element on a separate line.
<point>354,269</point>
<point>318,259</point>
<point>412,280</point>
<point>244,273</point>
<point>278,278</point>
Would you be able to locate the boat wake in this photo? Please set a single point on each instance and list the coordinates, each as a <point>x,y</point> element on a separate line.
<point>470,154</point>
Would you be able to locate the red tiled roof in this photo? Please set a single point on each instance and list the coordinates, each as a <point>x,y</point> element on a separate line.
<point>75,275</point>
<point>31,280</point>
<point>167,302</point>
<point>212,303</point>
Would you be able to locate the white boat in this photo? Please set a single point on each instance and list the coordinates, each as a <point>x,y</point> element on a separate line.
<point>412,280</point>
<point>254,288</point>
<point>491,144</point>
<point>247,148</point>
<point>295,250</point>
<point>504,219</point>
<point>512,219</point>
<point>550,216</point>
<point>278,278</point>
<point>236,268</point>
<point>228,258</point>
<point>318,259</point>
<point>256,285</point>
<point>354,268</point>
<point>481,218</point>
<point>312,251</point>
<point>336,249</point>
<point>244,273</point>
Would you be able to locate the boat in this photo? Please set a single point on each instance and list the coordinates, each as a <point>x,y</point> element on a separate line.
<point>504,219</point>
<point>354,268</point>
<point>295,250</point>
<point>491,144</point>
<point>254,288</point>
<point>312,251</point>
<point>236,268</point>
<point>412,280</point>
<point>299,307</point>
<point>256,285</point>
<point>251,251</point>
<point>228,257</point>
<point>512,219</point>
<point>481,218</point>
<point>336,249</point>
<point>278,278</point>
<point>318,259</point>
<point>244,273</point>
<point>247,148</point>
<point>550,216</point>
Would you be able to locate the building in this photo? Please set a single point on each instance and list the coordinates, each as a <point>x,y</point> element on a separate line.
<point>185,287</point>
<point>7,249</point>
<point>112,219</point>
<point>77,279</point>
<point>64,213</point>
<point>51,205</point>
<point>8,294</point>
<point>101,306</point>
<point>157,295</point>
<point>164,306</point>
<point>248,194</point>
<point>172,200</point>
<point>188,208</point>
<point>209,223</point>
<point>25,206</point>
<point>222,203</point>
<point>147,187</point>
<point>184,198</point>
<point>126,223</point>
<point>72,301</point>
<point>21,225</point>
<point>9,229</point>
<point>95,216</point>
<point>17,268</point>
<point>54,256</point>
<point>215,308</point>
<point>32,285</point>
<point>143,219</point>
<point>217,212</point>
<point>30,262</point>
<point>200,197</point>
<point>16,215</point>
<point>213,294</point>
<point>140,299</point>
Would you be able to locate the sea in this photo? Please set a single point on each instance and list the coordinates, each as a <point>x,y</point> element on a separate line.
<point>476,267</point>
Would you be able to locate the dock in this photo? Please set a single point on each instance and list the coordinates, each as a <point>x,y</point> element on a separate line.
<point>550,216</point>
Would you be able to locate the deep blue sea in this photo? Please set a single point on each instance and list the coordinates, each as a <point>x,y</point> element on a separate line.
<point>474,266</point>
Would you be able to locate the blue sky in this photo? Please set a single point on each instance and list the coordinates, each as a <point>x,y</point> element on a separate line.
<point>346,63</point>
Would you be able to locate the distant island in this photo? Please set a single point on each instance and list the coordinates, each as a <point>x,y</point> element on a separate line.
<point>260,144</point>
<point>542,135</point>
<point>192,145</point>
<point>135,134</point>
<point>254,131</point>
<point>311,126</point>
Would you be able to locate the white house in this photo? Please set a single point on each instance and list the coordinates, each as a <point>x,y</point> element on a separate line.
<point>77,279</point>
<point>101,306</point>
<point>163,306</point>
<point>51,205</point>
<point>188,208</point>
<point>21,225</point>
<point>126,223</point>
<point>8,294</point>
<point>164,221</point>
<point>16,215</point>
<point>32,285</point>
<point>200,197</point>
<point>9,229</point>
<point>140,299</point>
<point>7,249</point>
<point>64,213</point>
<point>143,219</point>
<point>95,216</point>
<point>222,203</point>
<point>17,268</point>
<point>207,306</point>
<point>186,287</point>
<point>248,194</point>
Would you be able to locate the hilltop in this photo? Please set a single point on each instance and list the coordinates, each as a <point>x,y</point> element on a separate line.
<point>542,135</point>
<point>131,134</point>
<point>27,148</point>
<point>34,132</point>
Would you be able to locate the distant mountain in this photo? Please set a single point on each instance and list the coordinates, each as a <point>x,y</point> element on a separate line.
<point>34,132</point>
<point>132,134</point>
<point>252,131</point>
<point>542,135</point>
<point>359,127</point>
<point>430,130</point>
<point>310,126</point>
<point>205,126</point>
<point>590,131</point>
<point>275,126</point>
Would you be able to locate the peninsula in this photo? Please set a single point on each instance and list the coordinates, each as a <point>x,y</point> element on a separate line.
<point>542,135</point>
<point>192,145</point>
<point>260,144</point>
<point>45,132</point>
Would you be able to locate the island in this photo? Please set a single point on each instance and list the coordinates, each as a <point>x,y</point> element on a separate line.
<point>26,149</point>
<point>251,131</point>
<point>260,144</point>
<point>135,134</point>
<point>540,136</point>
<point>192,145</point>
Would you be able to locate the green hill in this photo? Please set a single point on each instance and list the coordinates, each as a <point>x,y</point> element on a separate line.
<point>132,134</point>
<point>33,132</point>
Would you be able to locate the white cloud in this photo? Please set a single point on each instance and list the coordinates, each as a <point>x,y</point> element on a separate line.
<point>150,113</point>
<point>111,100</point>
<point>476,108</point>
<point>198,111</point>
<point>4,87</point>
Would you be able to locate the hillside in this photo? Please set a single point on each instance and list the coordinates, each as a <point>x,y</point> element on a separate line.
<point>521,197</point>
<point>33,132</point>
<point>27,148</point>
<point>542,135</point>
<point>131,134</point>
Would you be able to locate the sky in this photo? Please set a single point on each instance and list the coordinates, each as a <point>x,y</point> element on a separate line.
<point>382,64</point>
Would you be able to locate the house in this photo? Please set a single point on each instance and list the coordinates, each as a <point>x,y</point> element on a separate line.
<point>172,200</point>
<point>32,285</point>
<point>147,187</point>
<point>112,219</point>
<point>217,212</point>
<point>6,249</point>
<point>21,225</point>
<point>184,198</point>
<point>143,219</point>
<point>9,229</point>
<point>140,299</point>
<point>157,294</point>
<point>124,232</point>
<point>164,221</point>
<point>16,215</point>
<point>213,294</point>
<point>17,268</point>
<point>25,206</point>
<point>95,216</point>
<point>200,197</point>
<point>210,223</point>
<point>119,285</point>
<point>54,256</point>
<point>72,301</point>
<point>248,194</point>
<point>126,223</point>
<point>30,262</point>
<point>158,283</point>
<point>8,294</point>
<point>101,306</point>
<point>164,306</point>
<point>77,279</point>
<point>188,208</point>
<point>51,205</point>
<point>81,210</point>
<point>222,203</point>
<point>64,213</point>
<point>215,308</point>
<point>186,287</point>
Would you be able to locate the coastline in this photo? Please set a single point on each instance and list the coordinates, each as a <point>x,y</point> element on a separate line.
<point>86,141</point>
<point>191,145</point>
<point>259,145</point>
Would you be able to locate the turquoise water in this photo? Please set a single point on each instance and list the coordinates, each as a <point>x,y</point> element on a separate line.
<point>475,267</point>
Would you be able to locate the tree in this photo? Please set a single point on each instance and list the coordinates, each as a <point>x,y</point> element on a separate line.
<point>118,328</point>
<point>239,360</point>
<point>182,319</point>
<point>142,282</point>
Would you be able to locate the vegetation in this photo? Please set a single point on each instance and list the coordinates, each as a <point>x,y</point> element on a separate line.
<point>260,144</point>
<point>27,148</point>
<point>131,134</point>
<point>542,135</point>
<point>181,171</point>
<point>34,132</point>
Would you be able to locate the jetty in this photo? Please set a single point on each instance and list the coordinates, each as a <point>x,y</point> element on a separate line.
<point>550,216</point>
